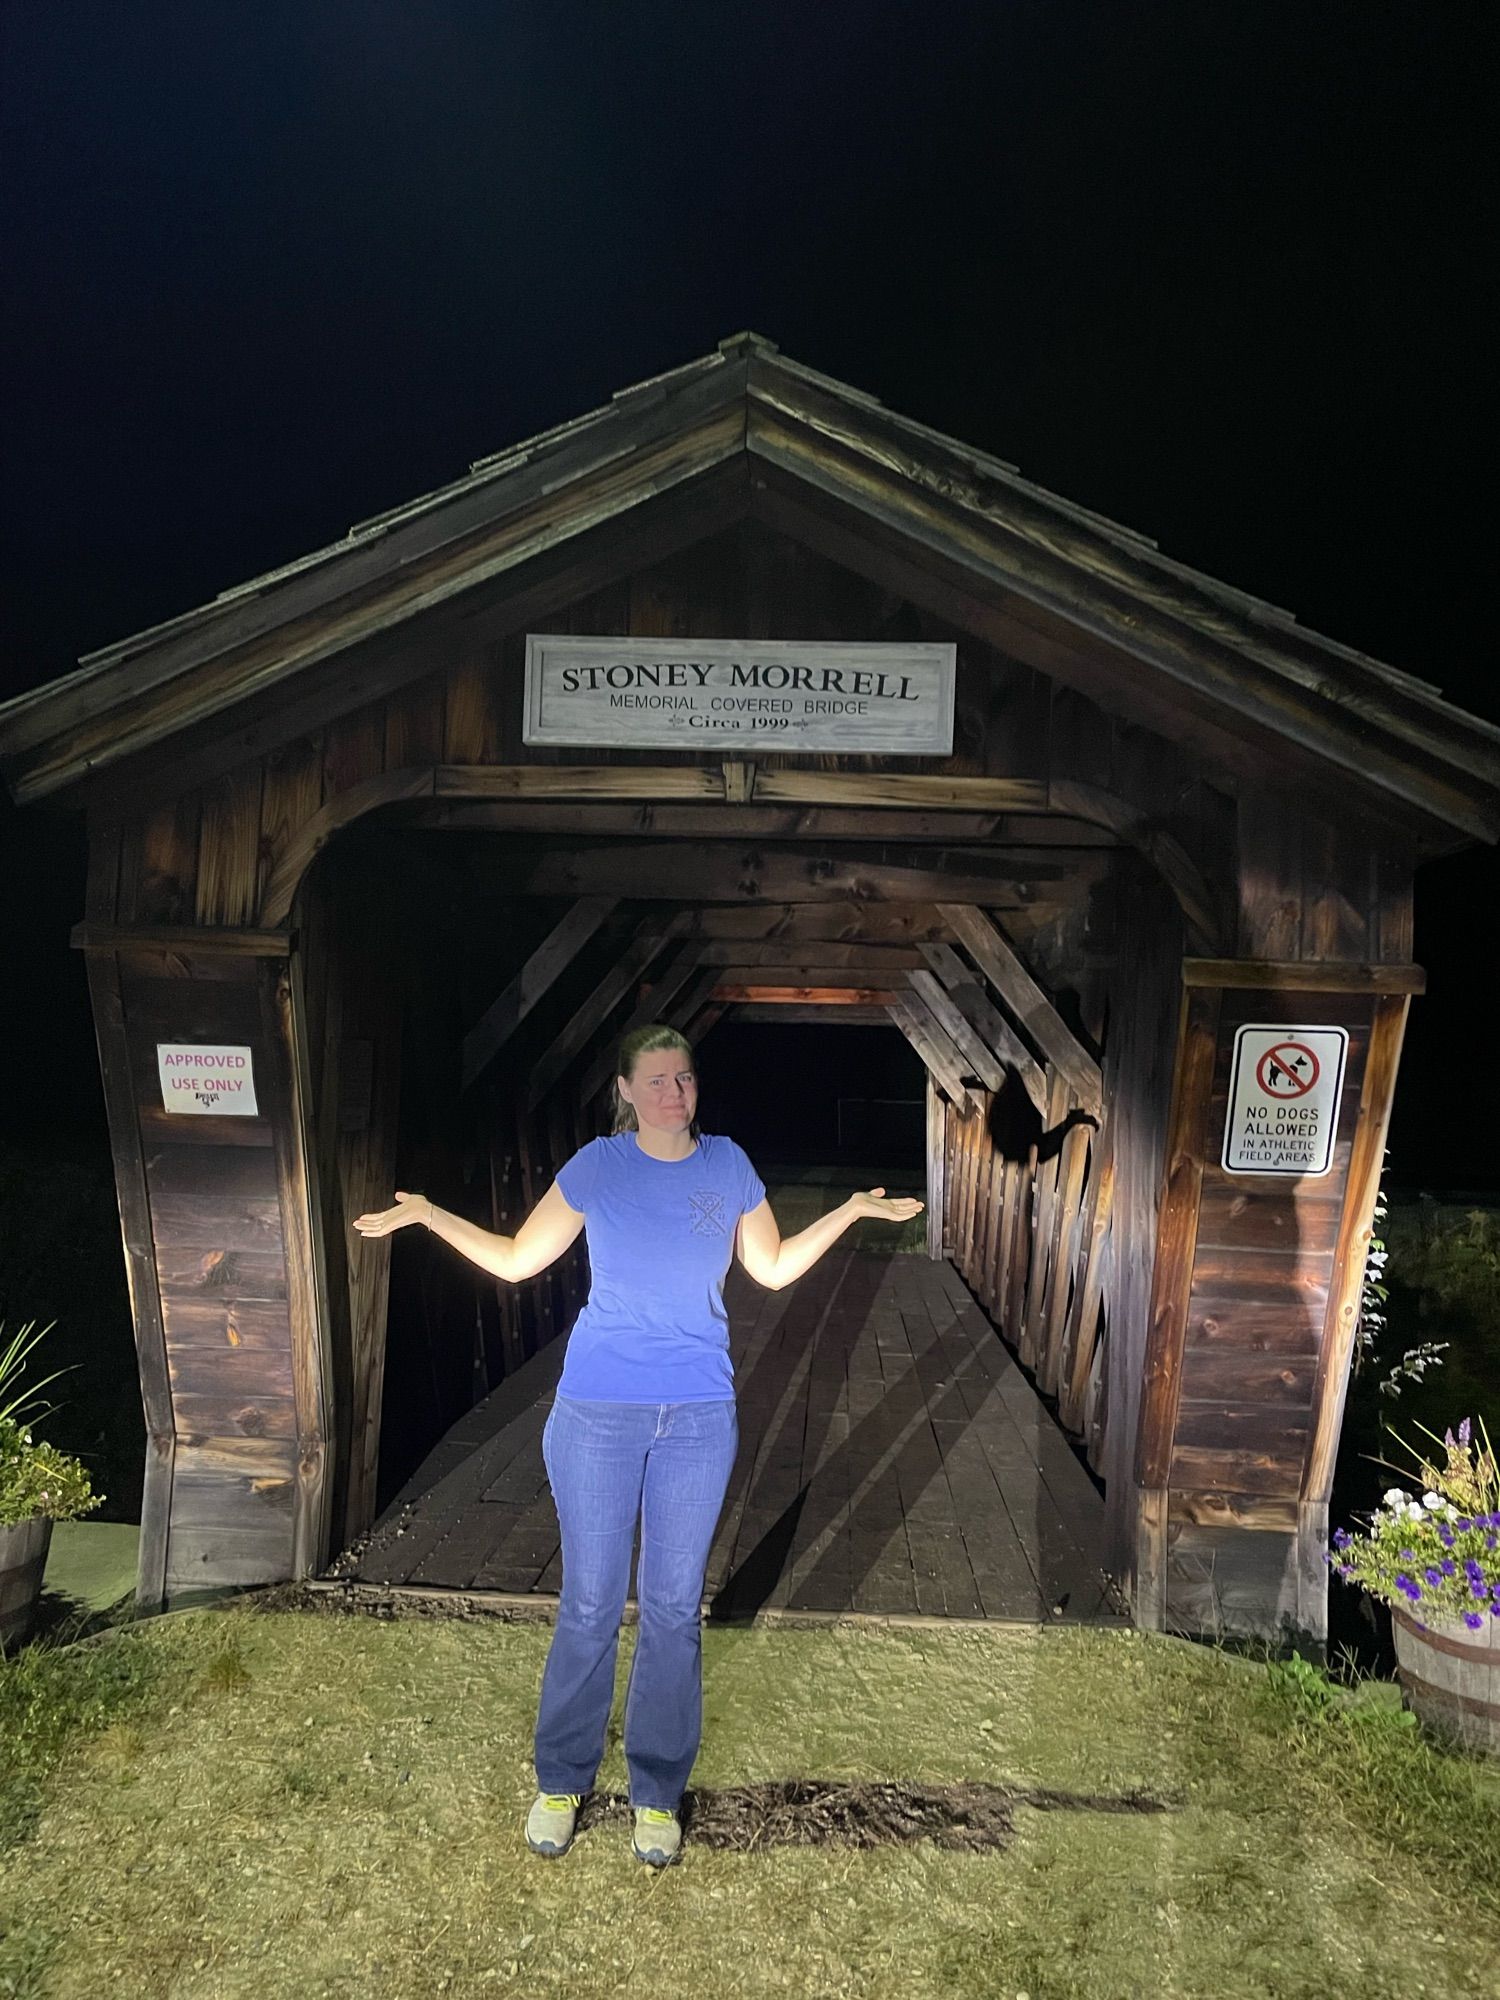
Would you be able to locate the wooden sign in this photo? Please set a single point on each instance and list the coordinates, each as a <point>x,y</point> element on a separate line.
<point>737,694</point>
<point>207,1079</point>
<point>1284,1088</point>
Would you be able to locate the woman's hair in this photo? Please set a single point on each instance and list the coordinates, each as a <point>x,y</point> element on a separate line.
<point>644,1041</point>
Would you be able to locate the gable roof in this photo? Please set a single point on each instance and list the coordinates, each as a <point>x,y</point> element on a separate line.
<point>1086,594</point>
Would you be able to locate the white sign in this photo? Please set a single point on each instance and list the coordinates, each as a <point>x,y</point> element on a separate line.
<point>207,1078</point>
<point>1284,1090</point>
<point>736,694</point>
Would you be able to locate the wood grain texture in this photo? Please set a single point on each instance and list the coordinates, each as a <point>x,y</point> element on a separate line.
<point>1176,1235</point>
<point>1355,1233</point>
<point>229,849</point>
<point>505,1014</point>
<point>1025,999</point>
<point>141,1274</point>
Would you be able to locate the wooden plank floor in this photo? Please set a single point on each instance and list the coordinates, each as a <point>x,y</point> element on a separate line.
<point>893,1459</point>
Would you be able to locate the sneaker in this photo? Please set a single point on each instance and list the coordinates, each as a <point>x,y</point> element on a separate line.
<point>550,1823</point>
<point>657,1836</point>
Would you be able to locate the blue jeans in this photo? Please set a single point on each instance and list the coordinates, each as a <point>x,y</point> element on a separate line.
<point>669,1464</point>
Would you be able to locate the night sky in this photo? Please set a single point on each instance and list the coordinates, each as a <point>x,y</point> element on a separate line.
<point>1221,274</point>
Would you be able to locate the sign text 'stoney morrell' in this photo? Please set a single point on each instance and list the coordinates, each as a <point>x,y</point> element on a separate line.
<point>735,694</point>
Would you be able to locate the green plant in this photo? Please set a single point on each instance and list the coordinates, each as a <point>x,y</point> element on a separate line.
<point>35,1477</point>
<point>1438,1551</point>
<point>11,1359</point>
<point>1374,1322</point>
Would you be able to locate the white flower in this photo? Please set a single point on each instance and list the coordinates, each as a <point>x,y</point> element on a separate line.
<point>1395,1497</point>
<point>1433,1500</point>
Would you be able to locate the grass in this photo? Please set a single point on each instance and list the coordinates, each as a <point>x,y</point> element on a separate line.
<point>226,1802</point>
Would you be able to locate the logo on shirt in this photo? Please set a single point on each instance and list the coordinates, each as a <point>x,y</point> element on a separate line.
<point>707,1213</point>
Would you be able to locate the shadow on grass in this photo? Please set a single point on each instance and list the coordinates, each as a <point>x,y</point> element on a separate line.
<point>806,1812</point>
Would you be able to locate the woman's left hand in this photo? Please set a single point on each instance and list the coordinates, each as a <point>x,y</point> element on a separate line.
<point>881,1207</point>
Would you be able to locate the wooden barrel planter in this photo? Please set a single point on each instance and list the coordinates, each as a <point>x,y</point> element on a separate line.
<point>1452,1677</point>
<point>23,1559</point>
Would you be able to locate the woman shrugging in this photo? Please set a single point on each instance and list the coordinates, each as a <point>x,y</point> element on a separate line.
<point>643,1424</point>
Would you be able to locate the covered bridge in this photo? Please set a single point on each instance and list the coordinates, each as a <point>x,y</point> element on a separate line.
<point>374,885</point>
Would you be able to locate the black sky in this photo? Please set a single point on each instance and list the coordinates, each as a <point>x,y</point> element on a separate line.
<point>1222,273</point>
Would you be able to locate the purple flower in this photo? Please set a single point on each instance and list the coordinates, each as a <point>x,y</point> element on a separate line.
<point>1473,1619</point>
<point>1463,1523</point>
<point>1341,1538</point>
<point>1433,1575</point>
<point>1447,1566</point>
<point>1412,1590</point>
<point>1473,1572</point>
<point>1345,1570</point>
<point>1445,1535</point>
<point>1407,1555</point>
<point>1463,1431</point>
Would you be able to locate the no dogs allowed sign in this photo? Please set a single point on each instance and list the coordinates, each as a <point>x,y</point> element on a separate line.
<point>1284,1088</point>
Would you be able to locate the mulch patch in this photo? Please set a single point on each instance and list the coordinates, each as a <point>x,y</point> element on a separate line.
<point>811,1813</point>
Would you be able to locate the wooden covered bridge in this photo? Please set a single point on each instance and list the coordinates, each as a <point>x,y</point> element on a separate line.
<point>859,721</point>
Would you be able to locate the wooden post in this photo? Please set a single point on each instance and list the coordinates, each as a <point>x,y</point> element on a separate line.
<point>302,1239</point>
<point>936,1192</point>
<point>1177,1227</point>
<point>1356,1229</point>
<point>1059,1100</point>
<point>140,1277</point>
<point>1083,1316</point>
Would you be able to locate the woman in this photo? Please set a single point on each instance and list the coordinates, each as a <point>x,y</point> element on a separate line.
<point>643,1423</point>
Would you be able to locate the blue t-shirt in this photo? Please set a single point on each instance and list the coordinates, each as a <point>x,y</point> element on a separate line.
<point>660,1236</point>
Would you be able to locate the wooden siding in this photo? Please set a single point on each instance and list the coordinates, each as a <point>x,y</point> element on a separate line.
<point>1102,846</point>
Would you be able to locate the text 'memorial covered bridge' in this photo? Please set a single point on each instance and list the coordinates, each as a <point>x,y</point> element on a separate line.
<point>743,698</point>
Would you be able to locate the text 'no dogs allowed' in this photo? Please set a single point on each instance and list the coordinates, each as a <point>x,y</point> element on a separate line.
<point>1284,1086</point>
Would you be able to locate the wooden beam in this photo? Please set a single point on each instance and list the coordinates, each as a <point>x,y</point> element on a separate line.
<point>1083,1314</point>
<point>907,788</point>
<point>1356,1228</point>
<point>699,1026</point>
<point>969,995</point>
<point>985,1064</point>
<point>722,872</point>
<point>791,1015</point>
<point>1130,648</point>
<point>816,963</point>
<point>836,922</point>
<point>803,996</point>
<point>1176,1237</point>
<point>612,988</point>
<point>503,1016</point>
<point>305,842</point>
<point>652,1006</point>
<point>729,821</point>
<point>1026,1000</point>
<point>142,1284</point>
<point>576,781</point>
<point>628,510</point>
<point>1303,975</point>
<point>696,998</point>
<point>1204,913</point>
<point>300,1205</point>
<point>808,967</point>
<point>933,1046</point>
<point>936,1168</point>
<point>181,937</point>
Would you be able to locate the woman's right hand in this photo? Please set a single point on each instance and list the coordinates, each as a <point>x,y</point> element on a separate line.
<point>409,1208</point>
